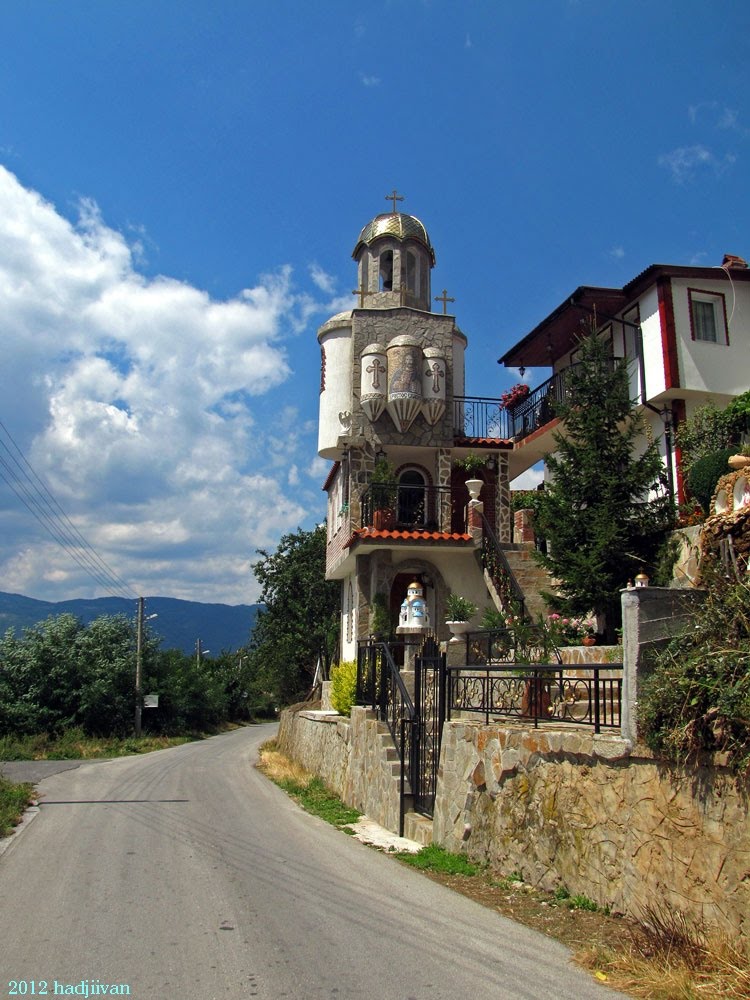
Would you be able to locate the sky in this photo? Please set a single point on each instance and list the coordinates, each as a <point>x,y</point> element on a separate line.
<point>182,184</point>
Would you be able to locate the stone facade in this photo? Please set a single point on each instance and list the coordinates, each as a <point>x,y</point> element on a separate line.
<point>575,809</point>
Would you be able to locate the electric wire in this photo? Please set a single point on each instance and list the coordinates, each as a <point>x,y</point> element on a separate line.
<point>38,499</point>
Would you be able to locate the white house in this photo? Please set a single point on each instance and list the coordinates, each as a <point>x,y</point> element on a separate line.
<point>685,330</point>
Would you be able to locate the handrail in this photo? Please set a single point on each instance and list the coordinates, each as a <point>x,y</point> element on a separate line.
<point>381,687</point>
<point>498,567</point>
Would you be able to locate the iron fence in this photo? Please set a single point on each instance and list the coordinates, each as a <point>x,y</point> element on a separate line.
<point>584,695</point>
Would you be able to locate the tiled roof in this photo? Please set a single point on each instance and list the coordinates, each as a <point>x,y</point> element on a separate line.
<point>368,534</point>
<point>473,442</point>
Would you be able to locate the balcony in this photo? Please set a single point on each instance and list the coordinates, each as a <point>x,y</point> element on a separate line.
<point>428,509</point>
<point>474,417</point>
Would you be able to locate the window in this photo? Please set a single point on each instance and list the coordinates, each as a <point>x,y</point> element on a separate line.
<point>386,271</point>
<point>412,495</point>
<point>707,317</point>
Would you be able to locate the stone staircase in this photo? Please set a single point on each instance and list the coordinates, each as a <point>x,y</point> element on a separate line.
<point>530,577</point>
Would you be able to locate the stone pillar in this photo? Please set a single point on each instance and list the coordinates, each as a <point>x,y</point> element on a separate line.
<point>651,616</point>
<point>523,526</point>
<point>474,519</point>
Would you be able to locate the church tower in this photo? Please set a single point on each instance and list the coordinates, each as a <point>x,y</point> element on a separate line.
<point>391,420</point>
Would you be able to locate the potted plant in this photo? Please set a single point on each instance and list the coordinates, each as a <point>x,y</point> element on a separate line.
<point>471,464</point>
<point>514,395</point>
<point>458,611</point>
<point>384,490</point>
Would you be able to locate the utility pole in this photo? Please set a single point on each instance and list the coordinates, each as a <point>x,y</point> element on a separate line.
<point>139,667</point>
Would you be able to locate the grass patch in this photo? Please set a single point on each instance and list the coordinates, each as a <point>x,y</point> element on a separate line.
<point>13,801</point>
<point>436,859</point>
<point>75,745</point>
<point>310,792</point>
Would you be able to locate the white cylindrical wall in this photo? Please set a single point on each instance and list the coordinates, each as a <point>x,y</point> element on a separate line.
<point>335,398</point>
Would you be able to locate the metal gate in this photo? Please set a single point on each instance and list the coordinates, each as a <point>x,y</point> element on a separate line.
<point>429,704</point>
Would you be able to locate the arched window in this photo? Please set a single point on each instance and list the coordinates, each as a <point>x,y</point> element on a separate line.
<point>412,498</point>
<point>386,271</point>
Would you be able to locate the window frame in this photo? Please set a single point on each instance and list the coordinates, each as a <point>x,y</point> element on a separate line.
<point>720,315</point>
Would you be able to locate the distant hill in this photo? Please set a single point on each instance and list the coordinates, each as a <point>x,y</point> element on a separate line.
<point>179,624</point>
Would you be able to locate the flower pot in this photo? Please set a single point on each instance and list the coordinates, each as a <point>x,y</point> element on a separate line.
<point>589,640</point>
<point>474,486</point>
<point>458,629</point>
<point>384,520</point>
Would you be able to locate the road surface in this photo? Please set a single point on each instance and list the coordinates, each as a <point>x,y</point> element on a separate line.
<point>185,874</point>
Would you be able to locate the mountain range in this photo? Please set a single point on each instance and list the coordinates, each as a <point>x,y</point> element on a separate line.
<point>179,624</point>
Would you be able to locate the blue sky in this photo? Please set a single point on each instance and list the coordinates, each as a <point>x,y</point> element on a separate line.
<point>181,187</point>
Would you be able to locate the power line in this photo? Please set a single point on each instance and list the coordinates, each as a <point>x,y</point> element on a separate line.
<point>38,499</point>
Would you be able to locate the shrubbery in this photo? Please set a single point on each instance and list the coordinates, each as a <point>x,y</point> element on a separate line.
<point>343,686</point>
<point>697,697</point>
<point>62,675</point>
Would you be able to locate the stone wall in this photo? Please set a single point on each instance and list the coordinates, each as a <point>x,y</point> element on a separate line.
<point>582,811</point>
<point>354,757</point>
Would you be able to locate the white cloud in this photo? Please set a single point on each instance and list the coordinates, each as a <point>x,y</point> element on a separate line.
<point>617,252</point>
<point>136,399</point>
<point>369,80</point>
<point>529,480</point>
<point>325,282</point>
<point>683,163</point>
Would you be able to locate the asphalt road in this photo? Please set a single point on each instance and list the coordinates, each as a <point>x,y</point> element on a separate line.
<point>185,874</point>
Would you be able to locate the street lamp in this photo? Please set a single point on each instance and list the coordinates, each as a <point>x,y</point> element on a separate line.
<point>139,664</point>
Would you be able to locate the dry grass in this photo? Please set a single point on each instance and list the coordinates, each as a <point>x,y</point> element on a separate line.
<point>279,768</point>
<point>670,957</point>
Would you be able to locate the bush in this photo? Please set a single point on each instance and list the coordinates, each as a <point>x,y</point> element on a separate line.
<point>705,474</point>
<point>343,686</point>
<point>697,697</point>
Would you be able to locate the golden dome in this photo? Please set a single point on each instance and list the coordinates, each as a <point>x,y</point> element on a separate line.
<point>397,225</point>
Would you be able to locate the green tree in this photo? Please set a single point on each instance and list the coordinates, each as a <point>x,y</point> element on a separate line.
<point>300,620</point>
<point>606,509</point>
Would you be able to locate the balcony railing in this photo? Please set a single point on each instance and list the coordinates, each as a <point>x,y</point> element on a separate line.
<point>474,417</point>
<point>414,508</point>
<point>538,408</point>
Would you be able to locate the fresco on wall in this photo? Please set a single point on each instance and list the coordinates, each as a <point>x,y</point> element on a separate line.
<point>404,382</point>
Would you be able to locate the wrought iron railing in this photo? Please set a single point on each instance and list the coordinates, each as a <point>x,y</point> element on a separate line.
<point>413,508</point>
<point>429,702</point>
<point>538,408</point>
<point>498,569</point>
<point>381,688</point>
<point>581,695</point>
<point>476,417</point>
<point>522,643</point>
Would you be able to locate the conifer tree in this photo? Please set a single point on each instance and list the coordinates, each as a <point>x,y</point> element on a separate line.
<point>606,509</point>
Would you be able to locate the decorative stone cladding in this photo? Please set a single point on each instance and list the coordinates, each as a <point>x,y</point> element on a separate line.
<point>575,809</point>
<point>354,757</point>
<point>561,807</point>
<point>381,326</point>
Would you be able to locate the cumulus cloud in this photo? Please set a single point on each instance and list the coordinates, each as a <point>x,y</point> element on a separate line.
<point>368,80</point>
<point>136,399</point>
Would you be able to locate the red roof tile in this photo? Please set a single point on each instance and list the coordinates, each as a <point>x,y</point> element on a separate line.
<point>367,534</point>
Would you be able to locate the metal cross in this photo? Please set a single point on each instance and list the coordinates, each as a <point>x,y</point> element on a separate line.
<point>444,298</point>
<point>377,370</point>
<point>363,293</point>
<point>394,198</point>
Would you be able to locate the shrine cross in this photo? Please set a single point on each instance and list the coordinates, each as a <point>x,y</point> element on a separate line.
<point>445,299</point>
<point>394,197</point>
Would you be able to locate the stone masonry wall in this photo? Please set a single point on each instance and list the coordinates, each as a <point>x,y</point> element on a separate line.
<point>582,811</point>
<point>350,755</point>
